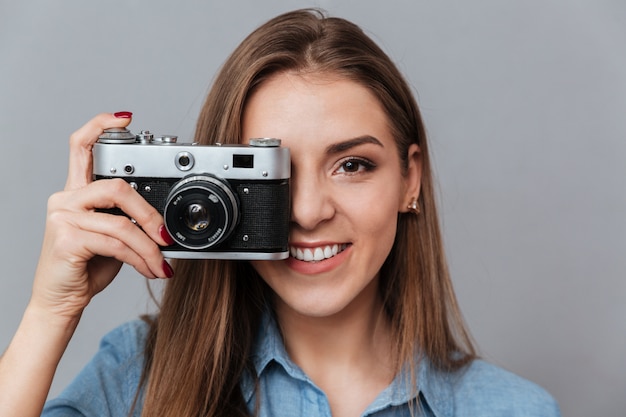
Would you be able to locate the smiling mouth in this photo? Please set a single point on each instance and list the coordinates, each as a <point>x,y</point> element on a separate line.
<point>316,254</point>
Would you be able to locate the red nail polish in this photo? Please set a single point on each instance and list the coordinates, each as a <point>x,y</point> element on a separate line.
<point>167,269</point>
<point>123,115</point>
<point>165,236</point>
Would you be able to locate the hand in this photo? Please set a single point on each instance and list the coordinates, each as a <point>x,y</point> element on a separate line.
<point>83,249</point>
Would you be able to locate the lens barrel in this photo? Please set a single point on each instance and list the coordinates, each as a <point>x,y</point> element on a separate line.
<point>201,211</point>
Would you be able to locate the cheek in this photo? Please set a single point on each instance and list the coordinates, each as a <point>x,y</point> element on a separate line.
<point>373,210</point>
<point>374,221</point>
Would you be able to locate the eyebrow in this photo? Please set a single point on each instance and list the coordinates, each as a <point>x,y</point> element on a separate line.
<point>351,143</point>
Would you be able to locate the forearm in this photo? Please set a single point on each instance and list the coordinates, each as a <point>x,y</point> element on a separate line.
<point>82,252</point>
<point>29,363</point>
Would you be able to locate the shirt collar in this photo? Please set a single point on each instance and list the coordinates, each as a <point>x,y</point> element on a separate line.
<point>434,387</point>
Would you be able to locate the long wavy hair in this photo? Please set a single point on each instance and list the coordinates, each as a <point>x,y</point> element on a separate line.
<point>200,345</point>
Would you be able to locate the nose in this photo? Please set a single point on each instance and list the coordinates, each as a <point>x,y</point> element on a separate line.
<point>311,201</point>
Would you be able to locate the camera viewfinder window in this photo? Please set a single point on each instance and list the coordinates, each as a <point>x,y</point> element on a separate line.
<point>243,161</point>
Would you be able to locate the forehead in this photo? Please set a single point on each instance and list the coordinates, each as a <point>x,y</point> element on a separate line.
<point>325,105</point>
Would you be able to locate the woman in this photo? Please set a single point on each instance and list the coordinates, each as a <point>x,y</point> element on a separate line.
<point>361,319</point>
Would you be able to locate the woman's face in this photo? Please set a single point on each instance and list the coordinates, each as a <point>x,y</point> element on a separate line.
<point>347,189</point>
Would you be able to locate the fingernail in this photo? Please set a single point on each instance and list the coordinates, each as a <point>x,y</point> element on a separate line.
<point>167,269</point>
<point>165,236</point>
<point>123,115</point>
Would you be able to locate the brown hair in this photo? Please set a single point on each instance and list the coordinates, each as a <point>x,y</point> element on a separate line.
<point>200,345</point>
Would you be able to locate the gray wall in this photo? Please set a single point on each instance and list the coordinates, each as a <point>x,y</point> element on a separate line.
<point>525,103</point>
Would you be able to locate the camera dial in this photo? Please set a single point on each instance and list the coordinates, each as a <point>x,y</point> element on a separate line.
<point>265,142</point>
<point>117,135</point>
<point>166,139</point>
<point>144,137</point>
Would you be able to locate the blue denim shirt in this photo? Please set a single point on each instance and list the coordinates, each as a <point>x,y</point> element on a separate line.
<point>107,386</point>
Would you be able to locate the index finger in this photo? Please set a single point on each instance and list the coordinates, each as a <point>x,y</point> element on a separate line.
<point>81,143</point>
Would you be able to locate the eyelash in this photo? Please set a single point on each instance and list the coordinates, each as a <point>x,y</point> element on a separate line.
<point>362,164</point>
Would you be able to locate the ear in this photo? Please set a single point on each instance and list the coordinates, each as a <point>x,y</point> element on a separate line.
<point>413,177</point>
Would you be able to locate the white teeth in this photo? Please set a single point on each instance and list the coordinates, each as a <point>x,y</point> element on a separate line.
<point>316,254</point>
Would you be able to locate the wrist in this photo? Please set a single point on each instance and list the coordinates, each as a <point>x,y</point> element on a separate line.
<point>51,319</point>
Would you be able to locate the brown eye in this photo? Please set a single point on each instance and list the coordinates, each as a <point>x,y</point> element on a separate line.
<point>351,166</point>
<point>354,166</point>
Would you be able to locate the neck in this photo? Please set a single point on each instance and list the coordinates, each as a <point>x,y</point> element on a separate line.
<point>356,340</point>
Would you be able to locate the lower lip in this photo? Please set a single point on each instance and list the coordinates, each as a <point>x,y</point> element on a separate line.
<point>319,267</point>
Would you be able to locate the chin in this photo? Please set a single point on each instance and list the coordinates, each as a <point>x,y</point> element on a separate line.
<point>330,302</point>
<point>311,306</point>
<point>318,313</point>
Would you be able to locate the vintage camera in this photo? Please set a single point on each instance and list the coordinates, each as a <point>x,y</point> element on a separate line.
<point>218,201</point>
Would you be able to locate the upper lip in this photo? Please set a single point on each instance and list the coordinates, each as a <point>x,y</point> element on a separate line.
<point>305,245</point>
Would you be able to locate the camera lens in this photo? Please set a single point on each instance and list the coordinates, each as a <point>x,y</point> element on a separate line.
<point>201,211</point>
<point>196,217</point>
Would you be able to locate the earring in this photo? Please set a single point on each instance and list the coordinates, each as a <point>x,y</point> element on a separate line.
<point>413,206</point>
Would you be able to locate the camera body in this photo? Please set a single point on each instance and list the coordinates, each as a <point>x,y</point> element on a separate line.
<point>218,201</point>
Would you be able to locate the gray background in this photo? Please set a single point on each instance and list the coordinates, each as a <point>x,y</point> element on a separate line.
<point>525,104</point>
